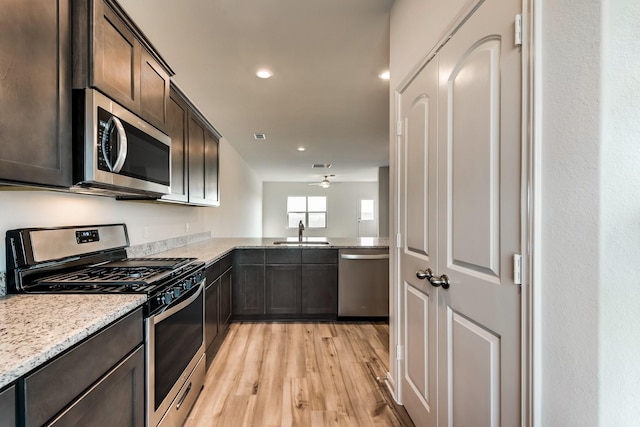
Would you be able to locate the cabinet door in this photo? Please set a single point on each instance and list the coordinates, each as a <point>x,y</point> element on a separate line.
<point>282,286</point>
<point>319,289</point>
<point>211,313</point>
<point>225,300</point>
<point>8,407</point>
<point>211,150</point>
<point>154,90</point>
<point>177,129</point>
<point>248,289</point>
<point>116,400</point>
<point>35,92</point>
<point>197,144</point>
<point>116,57</point>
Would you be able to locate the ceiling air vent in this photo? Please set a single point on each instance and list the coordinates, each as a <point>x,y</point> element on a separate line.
<point>259,136</point>
<point>321,165</point>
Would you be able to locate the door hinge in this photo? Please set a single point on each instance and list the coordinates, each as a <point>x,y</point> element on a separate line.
<point>399,128</point>
<point>517,269</point>
<point>518,32</point>
<point>399,355</point>
<point>398,240</point>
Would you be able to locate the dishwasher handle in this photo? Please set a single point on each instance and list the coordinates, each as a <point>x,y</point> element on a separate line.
<point>360,256</point>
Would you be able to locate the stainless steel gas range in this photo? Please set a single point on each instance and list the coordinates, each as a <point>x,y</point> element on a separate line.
<point>93,259</point>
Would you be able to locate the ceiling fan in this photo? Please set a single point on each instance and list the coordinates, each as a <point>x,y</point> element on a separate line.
<point>325,183</point>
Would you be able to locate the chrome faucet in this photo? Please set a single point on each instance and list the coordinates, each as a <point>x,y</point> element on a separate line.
<point>300,230</point>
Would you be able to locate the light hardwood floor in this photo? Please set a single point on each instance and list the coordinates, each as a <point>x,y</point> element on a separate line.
<point>299,374</point>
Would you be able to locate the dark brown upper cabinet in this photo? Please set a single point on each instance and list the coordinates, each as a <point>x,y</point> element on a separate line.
<point>177,121</point>
<point>194,153</point>
<point>203,162</point>
<point>112,55</point>
<point>35,92</point>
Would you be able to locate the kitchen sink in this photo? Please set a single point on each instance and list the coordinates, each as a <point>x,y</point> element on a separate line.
<point>301,243</point>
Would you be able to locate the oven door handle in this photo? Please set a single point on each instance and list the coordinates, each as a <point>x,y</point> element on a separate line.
<point>172,309</point>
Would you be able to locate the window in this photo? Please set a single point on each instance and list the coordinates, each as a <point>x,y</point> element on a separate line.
<point>366,210</point>
<point>312,211</point>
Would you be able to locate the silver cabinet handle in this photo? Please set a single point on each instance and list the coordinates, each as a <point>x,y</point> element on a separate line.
<point>427,273</point>
<point>440,281</point>
<point>122,138</point>
<point>355,256</point>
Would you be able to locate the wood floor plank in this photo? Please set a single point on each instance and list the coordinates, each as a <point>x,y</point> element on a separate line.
<point>268,410</point>
<point>299,374</point>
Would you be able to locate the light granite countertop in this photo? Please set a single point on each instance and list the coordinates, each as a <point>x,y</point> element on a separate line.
<point>212,249</point>
<point>36,328</point>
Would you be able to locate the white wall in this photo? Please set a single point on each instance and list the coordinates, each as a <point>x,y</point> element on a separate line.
<point>619,275</point>
<point>239,213</point>
<point>570,131</point>
<point>342,206</point>
<point>240,210</point>
<point>384,204</point>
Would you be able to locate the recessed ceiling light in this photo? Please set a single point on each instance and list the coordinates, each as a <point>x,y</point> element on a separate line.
<point>385,75</point>
<point>301,148</point>
<point>264,73</point>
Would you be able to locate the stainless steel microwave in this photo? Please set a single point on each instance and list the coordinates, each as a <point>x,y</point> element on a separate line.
<point>116,152</point>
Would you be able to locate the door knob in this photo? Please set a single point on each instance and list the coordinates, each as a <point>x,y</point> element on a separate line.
<point>424,274</point>
<point>440,281</point>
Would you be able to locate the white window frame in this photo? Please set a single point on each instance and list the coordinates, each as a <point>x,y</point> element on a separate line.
<point>306,213</point>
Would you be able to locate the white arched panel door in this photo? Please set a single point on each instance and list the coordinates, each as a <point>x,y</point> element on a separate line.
<point>479,140</point>
<point>418,193</point>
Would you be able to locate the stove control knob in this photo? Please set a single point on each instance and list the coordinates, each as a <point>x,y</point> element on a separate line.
<point>167,297</point>
<point>176,291</point>
<point>187,284</point>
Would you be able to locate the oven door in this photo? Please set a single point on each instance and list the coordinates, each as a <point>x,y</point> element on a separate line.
<point>174,355</point>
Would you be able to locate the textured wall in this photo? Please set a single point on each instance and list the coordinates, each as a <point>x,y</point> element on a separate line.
<point>619,293</point>
<point>240,210</point>
<point>570,205</point>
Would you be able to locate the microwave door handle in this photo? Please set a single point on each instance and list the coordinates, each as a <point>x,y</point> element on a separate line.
<point>122,153</point>
<point>122,137</point>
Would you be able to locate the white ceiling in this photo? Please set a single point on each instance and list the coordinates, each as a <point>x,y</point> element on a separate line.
<point>325,94</point>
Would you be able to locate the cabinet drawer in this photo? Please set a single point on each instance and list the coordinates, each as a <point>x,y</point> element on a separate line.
<point>319,256</point>
<point>116,400</point>
<point>249,256</point>
<point>56,384</point>
<point>283,256</point>
<point>226,262</point>
<point>213,272</point>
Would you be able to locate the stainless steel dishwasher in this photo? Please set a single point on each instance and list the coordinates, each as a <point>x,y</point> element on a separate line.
<point>363,283</point>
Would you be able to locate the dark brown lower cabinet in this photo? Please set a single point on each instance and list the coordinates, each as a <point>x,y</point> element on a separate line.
<point>211,313</point>
<point>116,400</point>
<point>8,407</point>
<point>85,384</point>
<point>319,289</point>
<point>248,289</point>
<point>217,310</point>
<point>282,289</point>
<point>225,293</point>
<point>280,284</point>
